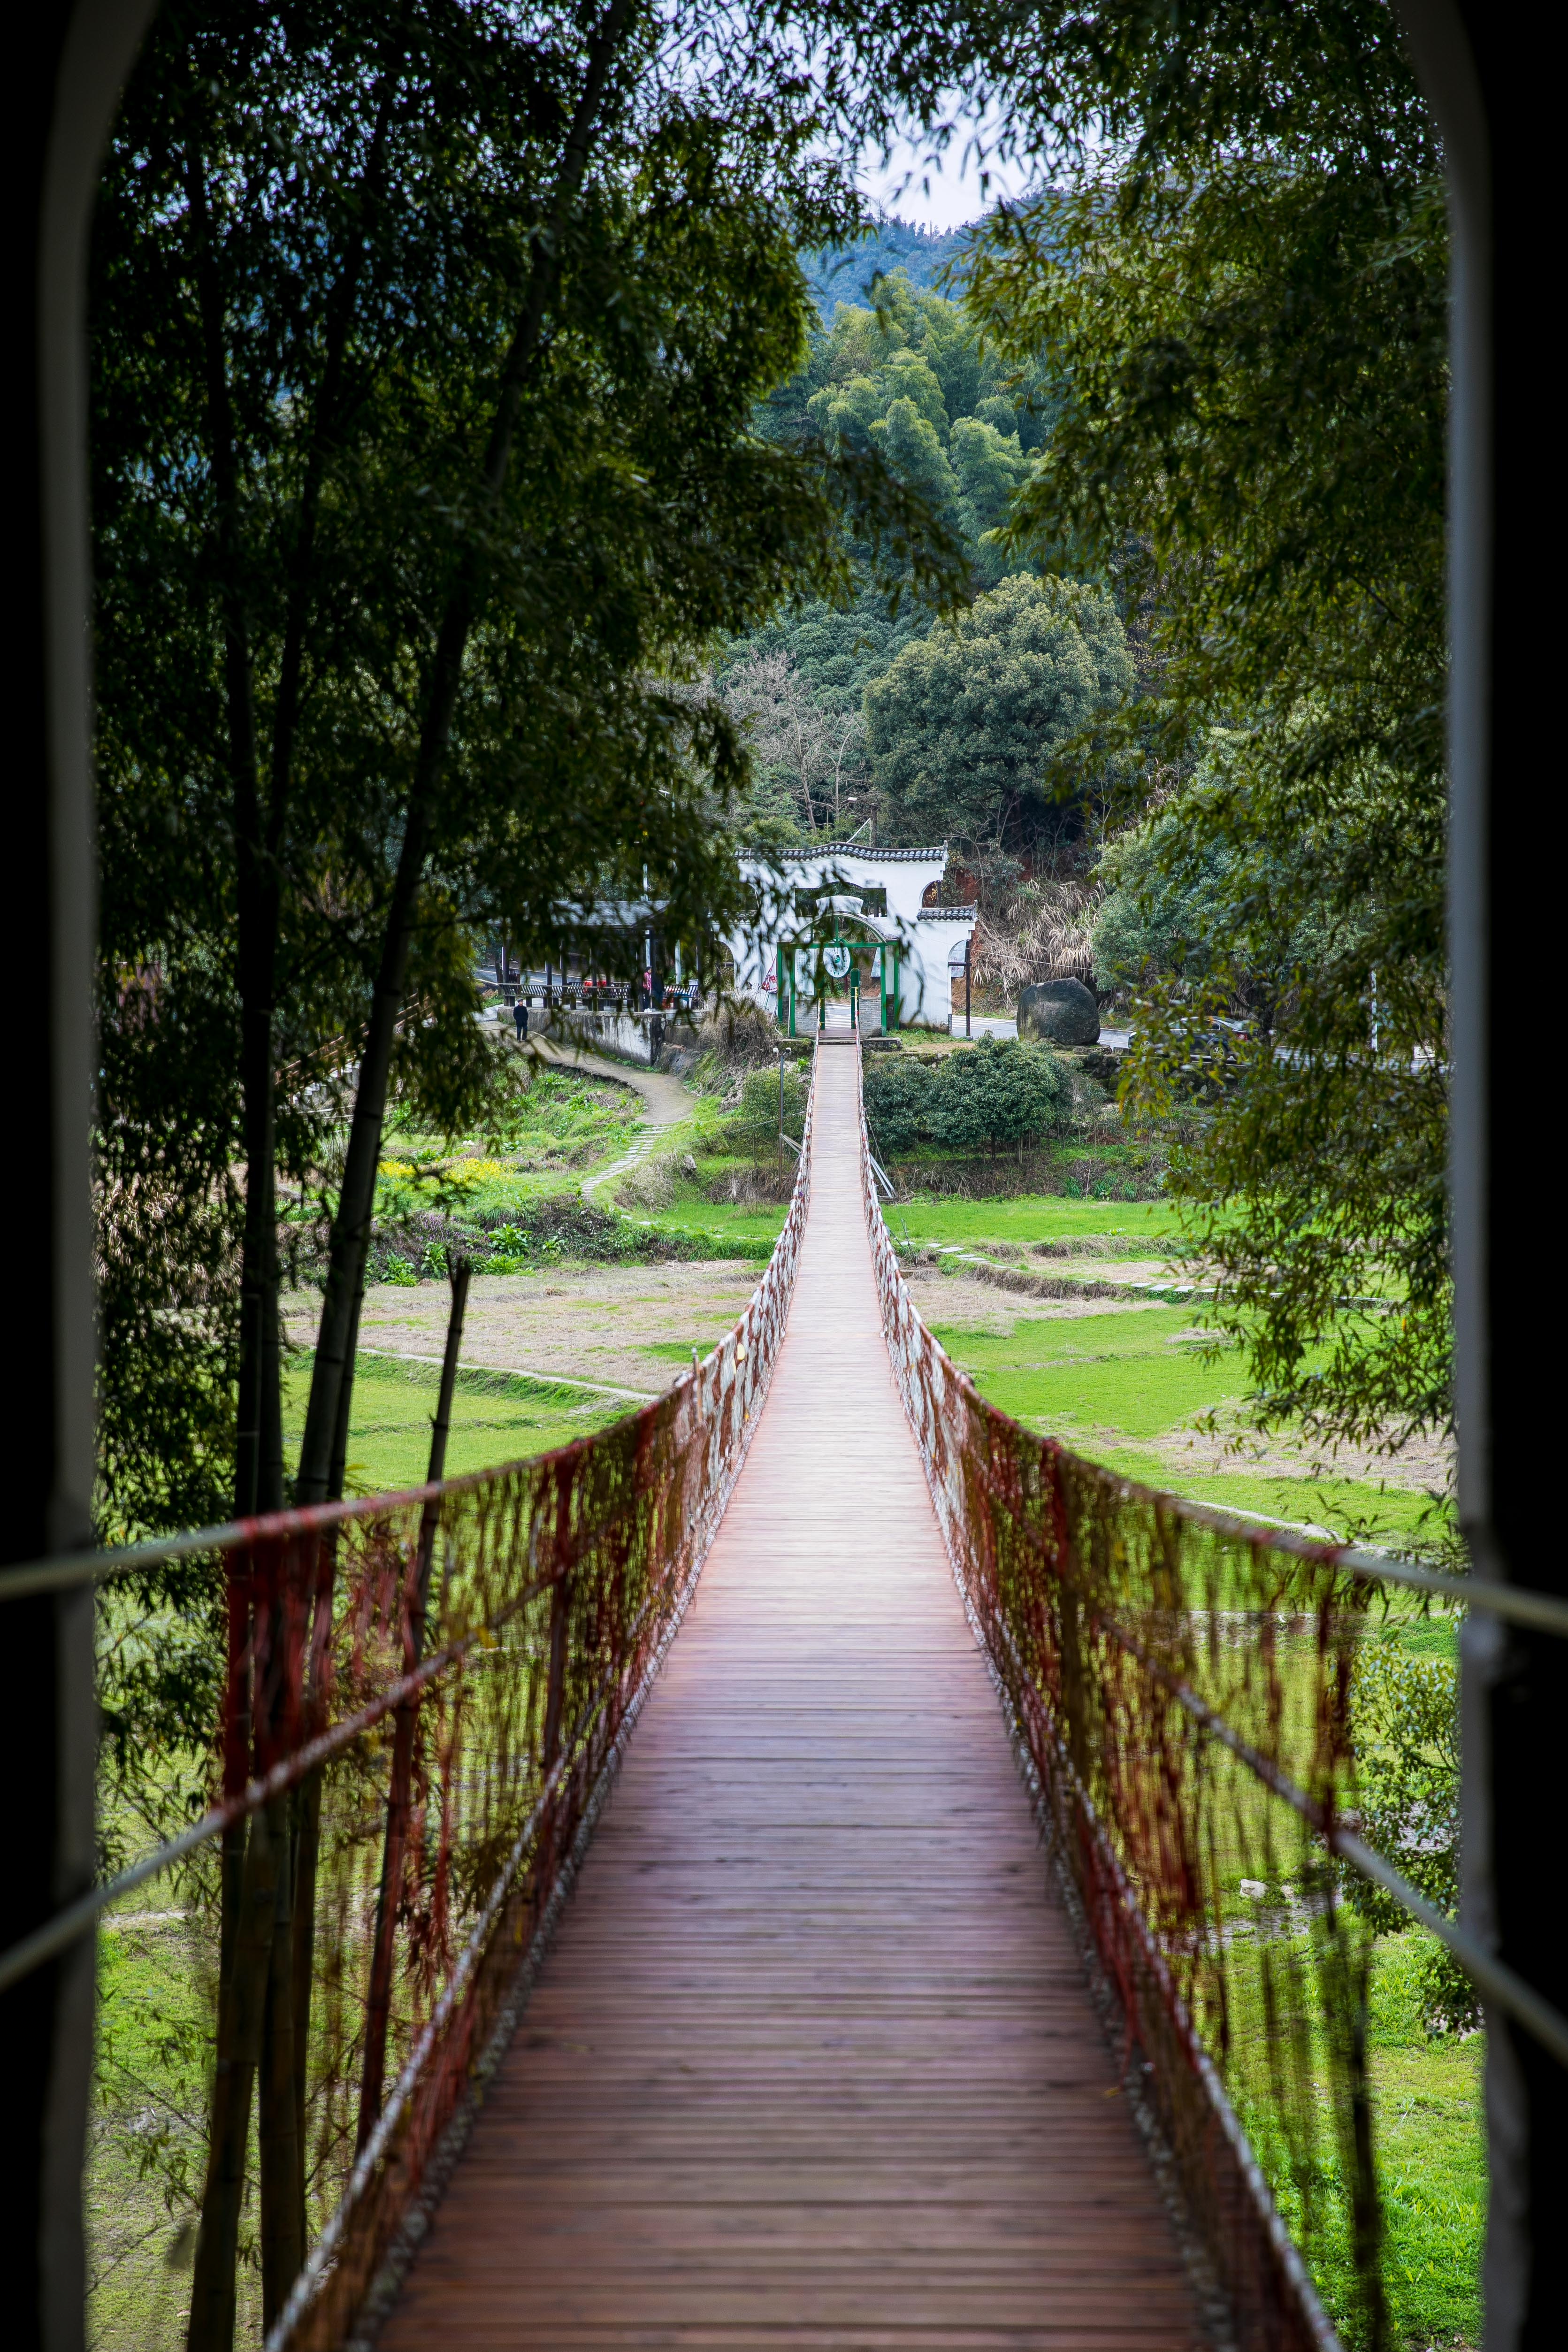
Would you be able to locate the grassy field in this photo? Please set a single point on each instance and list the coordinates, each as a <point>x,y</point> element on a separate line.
<point>147,2145</point>
<point>1034,1217</point>
<point>1430,2150</point>
<point>732,1230</point>
<point>1145,1227</point>
<point>1432,2156</point>
<point>496,1417</point>
<point>1126,1389</point>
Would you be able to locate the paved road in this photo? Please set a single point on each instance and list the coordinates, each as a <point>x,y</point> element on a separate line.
<point>988,1025</point>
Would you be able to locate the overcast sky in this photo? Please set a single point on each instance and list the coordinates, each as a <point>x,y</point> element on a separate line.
<point>916,190</point>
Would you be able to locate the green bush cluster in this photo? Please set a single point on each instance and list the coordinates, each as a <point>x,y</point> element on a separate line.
<point>753,1125</point>
<point>1002,1095</point>
<point>1406,1717</point>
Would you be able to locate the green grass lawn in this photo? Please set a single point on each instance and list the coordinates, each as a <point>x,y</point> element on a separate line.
<point>1107,1385</point>
<point>1147,1229</point>
<point>728,1230</point>
<point>496,1417</point>
<point>1128,1376</point>
<point>147,2145</point>
<point>1431,2149</point>
<point>1033,1217</point>
<point>1429,2142</point>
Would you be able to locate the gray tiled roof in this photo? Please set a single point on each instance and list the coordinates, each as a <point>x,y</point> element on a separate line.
<point>858,849</point>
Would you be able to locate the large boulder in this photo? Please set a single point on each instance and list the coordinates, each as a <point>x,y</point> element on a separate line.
<point>1061,1012</point>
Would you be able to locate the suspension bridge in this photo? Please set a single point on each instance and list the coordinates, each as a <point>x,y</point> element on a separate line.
<point>769,1874</point>
<point>813,2059</point>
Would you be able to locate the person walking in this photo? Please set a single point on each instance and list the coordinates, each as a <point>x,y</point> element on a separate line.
<point>520,1015</point>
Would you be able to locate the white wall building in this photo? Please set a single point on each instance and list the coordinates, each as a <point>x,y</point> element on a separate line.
<point>842,924</point>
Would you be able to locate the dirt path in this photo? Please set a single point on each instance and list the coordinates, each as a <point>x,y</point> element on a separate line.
<point>665,1101</point>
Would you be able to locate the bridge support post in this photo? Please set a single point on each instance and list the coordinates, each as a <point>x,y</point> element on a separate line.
<point>1477,64</point>
<point>65,61</point>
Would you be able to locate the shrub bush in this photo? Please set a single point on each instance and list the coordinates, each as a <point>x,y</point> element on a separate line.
<point>1003,1093</point>
<point>753,1125</point>
<point>738,1032</point>
<point>897,1103</point>
<point>1407,1718</point>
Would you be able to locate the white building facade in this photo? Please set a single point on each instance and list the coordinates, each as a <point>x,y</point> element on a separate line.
<point>844,934</point>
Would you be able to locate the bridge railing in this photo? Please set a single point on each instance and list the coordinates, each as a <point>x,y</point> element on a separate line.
<point>426,1695</point>
<point>1180,1683</point>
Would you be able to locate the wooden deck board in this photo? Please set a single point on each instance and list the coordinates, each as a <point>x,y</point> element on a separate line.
<point>811,2062</point>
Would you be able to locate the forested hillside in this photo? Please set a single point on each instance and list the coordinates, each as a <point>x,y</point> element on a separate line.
<point>848,275</point>
<point>859,715</point>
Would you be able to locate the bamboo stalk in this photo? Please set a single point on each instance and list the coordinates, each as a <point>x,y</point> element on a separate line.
<point>241,2010</point>
<point>378,2004</point>
<point>282,2203</point>
<point>308,1800</point>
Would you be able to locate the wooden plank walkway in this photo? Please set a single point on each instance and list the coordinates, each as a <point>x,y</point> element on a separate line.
<point>812,2062</point>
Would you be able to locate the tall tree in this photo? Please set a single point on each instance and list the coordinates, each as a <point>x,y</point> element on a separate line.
<point>426,351</point>
<point>964,721</point>
<point>423,356</point>
<point>1242,289</point>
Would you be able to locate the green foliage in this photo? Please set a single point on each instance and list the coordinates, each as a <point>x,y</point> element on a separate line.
<point>1244,298</point>
<point>963,723</point>
<point>999,1094</point>
<point>1313,1172</point>
<point>314,242</point>
<point>897,1094</point>
<point>1406,1716</point>
<point>753,1125</point>
<point>1186,899</point>
<point>908,380</point>
<point>1277,1015</point>
<point>169,1208</point>
<point>911,445</point>
<point>339,267</point>
<point>159,1674</point>
<point>990,467</point>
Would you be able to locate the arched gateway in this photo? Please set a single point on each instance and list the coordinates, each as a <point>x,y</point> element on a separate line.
<point>859,935</point>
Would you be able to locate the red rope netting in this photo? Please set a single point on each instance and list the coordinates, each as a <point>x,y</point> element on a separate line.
<point>425,1697</point>
<point>1180,1690</point>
